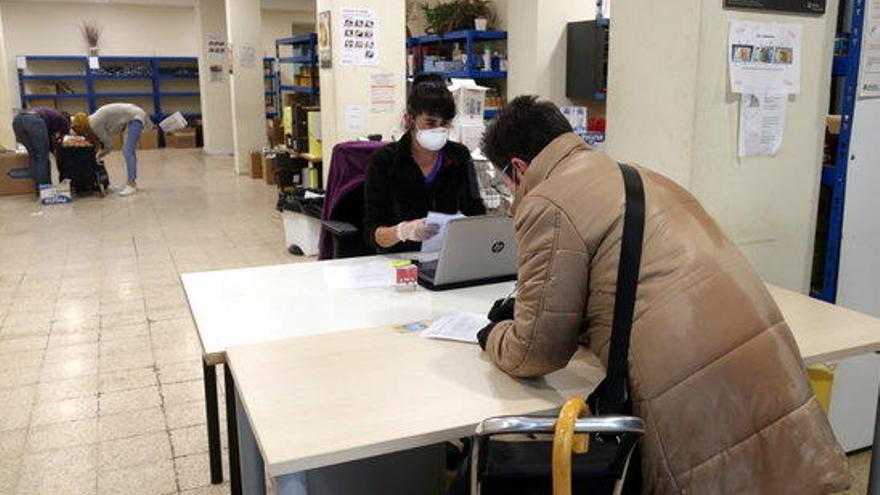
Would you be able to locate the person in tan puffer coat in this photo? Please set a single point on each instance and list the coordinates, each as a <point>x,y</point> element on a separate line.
<point>714,369</point>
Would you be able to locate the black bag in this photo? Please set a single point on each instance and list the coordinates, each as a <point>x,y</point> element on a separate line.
<point>86,173</point>
<point>524,468</point>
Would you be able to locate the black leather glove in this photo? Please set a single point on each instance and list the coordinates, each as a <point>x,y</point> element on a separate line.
<point>483,335</point>
<point>502,310</point>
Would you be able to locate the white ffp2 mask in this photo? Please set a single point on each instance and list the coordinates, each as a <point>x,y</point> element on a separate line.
<point>432,139</point>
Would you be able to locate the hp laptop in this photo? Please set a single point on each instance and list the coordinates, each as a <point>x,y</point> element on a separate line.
<point>476,251</point>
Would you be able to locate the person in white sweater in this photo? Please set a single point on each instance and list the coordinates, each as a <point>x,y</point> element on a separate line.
<point>116,118</point>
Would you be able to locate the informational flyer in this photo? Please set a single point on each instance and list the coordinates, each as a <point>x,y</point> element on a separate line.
<point>761,123</point>
<point>765,57</point>
<point>359,33</point>
<point>248,56</point>
<point>383,92</point>
<point>869,85</point>
<point>354,119</point>
<point>216,48</point>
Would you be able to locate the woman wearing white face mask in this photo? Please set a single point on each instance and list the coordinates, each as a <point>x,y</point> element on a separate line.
<point>421,172</point>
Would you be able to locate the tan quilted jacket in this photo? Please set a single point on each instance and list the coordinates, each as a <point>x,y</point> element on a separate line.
<point>714,369</point>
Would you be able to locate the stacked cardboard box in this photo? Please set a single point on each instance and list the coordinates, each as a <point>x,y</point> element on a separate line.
<point>256,164</point>
<point>182,139</point>
<point>15,174</point>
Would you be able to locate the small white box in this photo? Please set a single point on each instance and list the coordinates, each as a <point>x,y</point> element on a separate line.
<point>302,231</point>
<point>470,101</point>
<point>47,194</point>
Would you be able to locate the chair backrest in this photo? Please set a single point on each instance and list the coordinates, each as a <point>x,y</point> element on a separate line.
<point>613,441</point>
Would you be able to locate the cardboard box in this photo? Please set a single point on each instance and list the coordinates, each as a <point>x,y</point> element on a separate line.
<point>834,122</point>
<point>15,174</point>
<point>44,89</point>
<point>149,140</point>
<point>269,170</point>
<point>256,164</point>
<point>183,139</point>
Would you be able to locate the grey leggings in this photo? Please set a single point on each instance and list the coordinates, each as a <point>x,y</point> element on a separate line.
<point>31,131</point>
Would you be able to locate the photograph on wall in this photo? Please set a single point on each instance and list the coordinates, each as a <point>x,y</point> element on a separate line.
<point>359,29</point>
<point>325,37</point>
<point>764,57</point>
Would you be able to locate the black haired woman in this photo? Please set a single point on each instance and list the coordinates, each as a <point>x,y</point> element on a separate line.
<point>420,173</point>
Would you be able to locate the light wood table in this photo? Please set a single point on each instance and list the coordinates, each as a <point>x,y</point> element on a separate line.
<point>266,304</point>
<point>311,402</point>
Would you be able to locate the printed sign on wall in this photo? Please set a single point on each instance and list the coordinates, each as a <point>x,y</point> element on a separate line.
<point>799,6</point>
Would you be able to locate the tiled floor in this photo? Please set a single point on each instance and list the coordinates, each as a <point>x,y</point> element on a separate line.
<point>100,375</point>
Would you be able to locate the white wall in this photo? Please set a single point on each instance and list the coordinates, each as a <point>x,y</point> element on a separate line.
<point>349,85</point>
<point>670,109</point>
<point>53,28</point>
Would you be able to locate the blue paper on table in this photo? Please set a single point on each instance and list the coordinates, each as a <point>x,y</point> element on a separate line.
<point>441,220</point>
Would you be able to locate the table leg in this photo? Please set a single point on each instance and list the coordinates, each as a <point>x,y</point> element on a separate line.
<point>253,477</point>
<point>212,414</point>
<point>232,433</point>
<point>874,473</point>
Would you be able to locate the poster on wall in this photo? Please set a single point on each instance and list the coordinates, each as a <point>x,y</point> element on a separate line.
<point>764,57</point>
<point>248,56</point>
<point>761,123</point>
<point>798,6</point>
<point>354,119</point>
<point>383,92</point>
<point>325,37</point>
<point>869,71</point>
<point>359,35</point>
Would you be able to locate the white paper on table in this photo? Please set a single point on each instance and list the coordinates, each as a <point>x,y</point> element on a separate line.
<point>761,124</point>
<point>460,327</point>
<point>369,275</point>
<point>441,220</point>
<point>764,57</point>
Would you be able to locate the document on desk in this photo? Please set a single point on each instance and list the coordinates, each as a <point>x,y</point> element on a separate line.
<point>359,276</point>
<point>460,327</point>
<point>441,220</point>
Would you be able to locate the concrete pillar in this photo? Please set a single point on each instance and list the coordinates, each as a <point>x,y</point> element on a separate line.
<point>244,30</point>
<point>215,91</point>
<point>536,44</point>
<point>670,108</point>
<point>343,86</point>
<point>7,99</point>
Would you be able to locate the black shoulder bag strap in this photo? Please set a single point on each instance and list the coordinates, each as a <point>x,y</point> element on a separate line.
<point>611,396</point>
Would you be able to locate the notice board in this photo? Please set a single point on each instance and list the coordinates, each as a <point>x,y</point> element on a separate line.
<point>800,6</point>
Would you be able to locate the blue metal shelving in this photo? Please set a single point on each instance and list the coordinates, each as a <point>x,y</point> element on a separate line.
<point>470,38</point>
<point>845,67</point>
<point>305,54</point>
<point>90,76</point>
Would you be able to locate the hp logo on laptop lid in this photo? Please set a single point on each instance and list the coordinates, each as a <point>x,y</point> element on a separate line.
<point>497,247</point>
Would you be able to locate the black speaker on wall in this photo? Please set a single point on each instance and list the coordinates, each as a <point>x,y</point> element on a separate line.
<point>586,72</point>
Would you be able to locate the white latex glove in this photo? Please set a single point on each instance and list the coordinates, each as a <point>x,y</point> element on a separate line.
<point>416,230</point>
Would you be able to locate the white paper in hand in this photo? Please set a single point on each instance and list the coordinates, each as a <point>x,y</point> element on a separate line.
<point>434,244</point>
<point>460,327</point>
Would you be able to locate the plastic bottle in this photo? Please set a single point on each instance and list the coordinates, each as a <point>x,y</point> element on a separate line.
<point>487,58</point>
<point>456,53</point>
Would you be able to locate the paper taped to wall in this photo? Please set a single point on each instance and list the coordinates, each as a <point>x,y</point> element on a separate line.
<point>761,124</point>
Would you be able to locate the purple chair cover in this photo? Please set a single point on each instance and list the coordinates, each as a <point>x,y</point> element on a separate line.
<point>348,170</point>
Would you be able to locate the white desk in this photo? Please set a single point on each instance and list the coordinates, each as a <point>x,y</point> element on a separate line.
<point>398,392</point>
<point>266,304</point>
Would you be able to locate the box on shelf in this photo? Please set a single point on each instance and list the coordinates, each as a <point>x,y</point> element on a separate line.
<point>256,164</point>
<point>274,132</point>
<point>834,122</point>
<point>287,120</point>
<point>15,174</point>
<point>469,135</point>
<point>470,100</point>
<point>44,89</point>
<point>268,163</point>
<point>149,140</point>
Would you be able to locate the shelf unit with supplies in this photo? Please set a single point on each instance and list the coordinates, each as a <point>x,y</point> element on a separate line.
<point>270,77</point>
<point>146,81</point>
<point>421,51</point>
<point>303,62</point>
